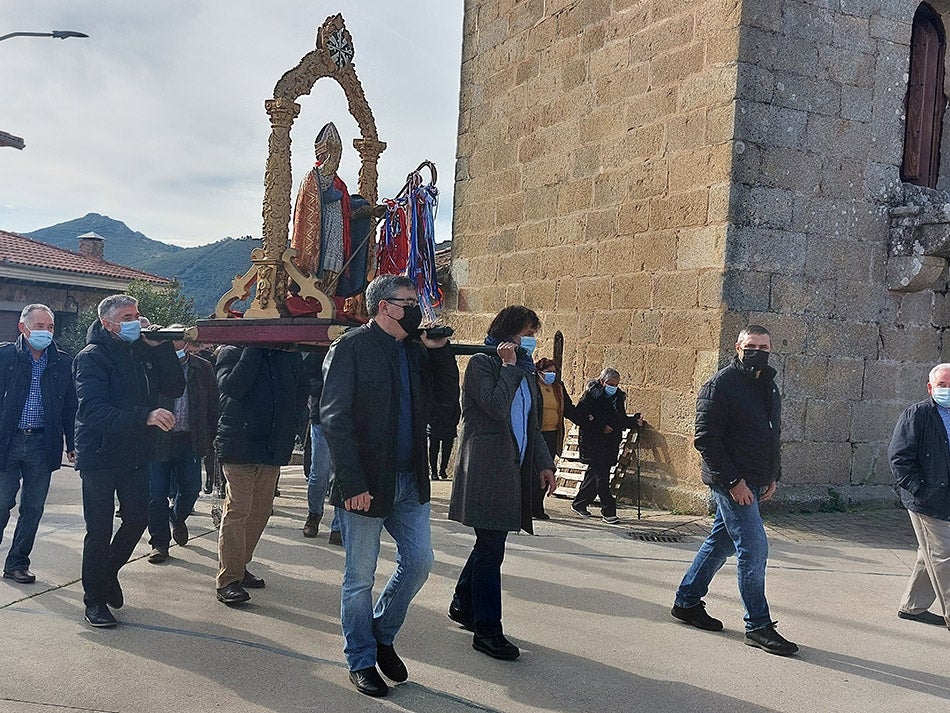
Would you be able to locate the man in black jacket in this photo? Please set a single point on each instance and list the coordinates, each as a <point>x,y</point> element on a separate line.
<point>378,388</point>
<point>263,394</point>
<point>738,435</point>
<point>119,376</point>
<point>920,461</point>
<point>178,453</point>
<point>37,411</point>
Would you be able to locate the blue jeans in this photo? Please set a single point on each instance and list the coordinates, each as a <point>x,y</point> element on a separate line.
<point>181,475</point>
<point>363,623</point>
<point>319,476</point>
<point>478,591</point>
<point>27,462</point>
<point>738,530</point>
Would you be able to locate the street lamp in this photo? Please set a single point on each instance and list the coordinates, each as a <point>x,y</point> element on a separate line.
<point>9,139</point>
<point>59,34</point>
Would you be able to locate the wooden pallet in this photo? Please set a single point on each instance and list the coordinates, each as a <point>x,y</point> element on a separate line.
<point>570,471</point>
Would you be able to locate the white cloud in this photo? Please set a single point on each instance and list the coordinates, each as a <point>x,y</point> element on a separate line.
<point>158,120</point>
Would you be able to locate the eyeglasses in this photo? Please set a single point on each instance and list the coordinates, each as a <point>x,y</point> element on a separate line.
<point>410,301</point>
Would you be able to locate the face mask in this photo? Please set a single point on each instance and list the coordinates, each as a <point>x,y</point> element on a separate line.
<point>610,390</point>
<point>755,358</point>
<point>548,377</point>
<point>39,339</point>
<point>529,344</point>
<point>180,353</point>
<point>130,331</point>
<point>941,394</point>
<point>411,319</point>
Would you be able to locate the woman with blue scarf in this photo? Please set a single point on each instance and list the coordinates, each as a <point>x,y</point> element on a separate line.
<point>502,462</point>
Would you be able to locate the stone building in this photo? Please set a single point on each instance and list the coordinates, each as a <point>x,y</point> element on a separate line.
<point>67,282</point>
<point>652,175</point>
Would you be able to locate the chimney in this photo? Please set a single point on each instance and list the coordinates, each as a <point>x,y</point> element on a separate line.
<point>91,245</point>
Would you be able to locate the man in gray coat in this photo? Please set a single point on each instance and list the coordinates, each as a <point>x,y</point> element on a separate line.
<point>920,461</point>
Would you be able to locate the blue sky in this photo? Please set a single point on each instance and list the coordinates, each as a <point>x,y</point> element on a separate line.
<point>157,119</point>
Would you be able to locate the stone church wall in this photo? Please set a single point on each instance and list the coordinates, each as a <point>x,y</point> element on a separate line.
<point>650,176</point>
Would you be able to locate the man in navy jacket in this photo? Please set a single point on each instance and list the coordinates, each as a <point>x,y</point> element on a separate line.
<point>920,462</point>
<point>119,376</point>
<point>37,411</point>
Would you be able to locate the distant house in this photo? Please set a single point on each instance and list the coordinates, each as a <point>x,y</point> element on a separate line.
<point>31,271</point>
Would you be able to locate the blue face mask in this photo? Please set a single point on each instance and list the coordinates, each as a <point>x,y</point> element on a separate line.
<point>610,390</point>
<point>130,331</point>
<point>529,344</point>
<point>39,339</point>
<point>941,394</point>
<point>548,377</point>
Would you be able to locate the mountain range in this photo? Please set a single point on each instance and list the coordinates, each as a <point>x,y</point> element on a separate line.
<point>204,272</point>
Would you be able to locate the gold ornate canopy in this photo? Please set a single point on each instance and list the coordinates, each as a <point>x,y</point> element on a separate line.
<point>272,268</point>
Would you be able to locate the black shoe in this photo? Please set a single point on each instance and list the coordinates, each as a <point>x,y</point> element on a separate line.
<point>251,582</point>
<point>369,682</point>
<point>696,616</point>
<point>116,599</point>
<point>924,617</point>
<point>768,639</point>
<point>496,646</point>
<point>336,537</point>
<point>390,664</point>
<point>234,593</point>
<point>461,618</point>
<point>312,526</point>
<point>20,576</point>
<point>582,511</point>
<point>99,616</point>
<point>158,554</point>
<point>180,534</point>
<point>541,516</point>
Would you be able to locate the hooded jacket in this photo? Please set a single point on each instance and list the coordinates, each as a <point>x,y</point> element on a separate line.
<point>117,386</point>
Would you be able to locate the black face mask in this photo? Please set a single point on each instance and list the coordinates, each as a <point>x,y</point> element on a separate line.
<point>755,358</point>
<point>411,319</point>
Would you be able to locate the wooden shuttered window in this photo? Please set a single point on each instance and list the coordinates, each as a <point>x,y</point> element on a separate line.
<point>925,103</point>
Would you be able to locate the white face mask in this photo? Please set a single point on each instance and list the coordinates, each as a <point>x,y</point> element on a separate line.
<point>941,394</point>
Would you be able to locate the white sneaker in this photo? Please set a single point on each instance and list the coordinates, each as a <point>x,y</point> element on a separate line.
<point>610,519</point>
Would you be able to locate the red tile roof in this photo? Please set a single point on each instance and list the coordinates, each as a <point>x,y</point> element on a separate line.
<point>19,250</point>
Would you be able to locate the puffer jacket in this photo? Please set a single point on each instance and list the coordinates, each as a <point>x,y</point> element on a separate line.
<point>118,385</point>
<point>739,427</point>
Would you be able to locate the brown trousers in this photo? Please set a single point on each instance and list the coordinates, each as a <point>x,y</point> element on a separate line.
<point>930,580</point>
<point>247,508</point>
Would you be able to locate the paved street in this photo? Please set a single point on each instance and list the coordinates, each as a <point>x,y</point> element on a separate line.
<point>588,604</point>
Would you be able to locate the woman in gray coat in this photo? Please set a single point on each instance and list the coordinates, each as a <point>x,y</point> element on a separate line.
<point>502,460</point>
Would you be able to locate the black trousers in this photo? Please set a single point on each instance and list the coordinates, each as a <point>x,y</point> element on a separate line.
<point>478,590</point>
<point>436,444</point>
<point>596,484</point>
<point>104,553</point>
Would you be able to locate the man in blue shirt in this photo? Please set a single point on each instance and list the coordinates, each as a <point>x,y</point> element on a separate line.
<point>37,412</point>
<point>920,462</point>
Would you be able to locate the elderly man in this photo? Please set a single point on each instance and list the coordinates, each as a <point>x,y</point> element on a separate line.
<point>378,387</point>
<point>119,376</point>
<point>37,411</point>
<point>920,461</point>
<point>178,453</point>
<point>738,436</point>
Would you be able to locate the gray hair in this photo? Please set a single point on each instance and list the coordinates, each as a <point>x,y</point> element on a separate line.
<point>608,374</point>
<point>383,288</point>
<point>29,309</point>
<point>936,370</point>
<point>113,303</point>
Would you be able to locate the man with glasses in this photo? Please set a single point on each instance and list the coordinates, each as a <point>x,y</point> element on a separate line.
<point>379,385</point>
